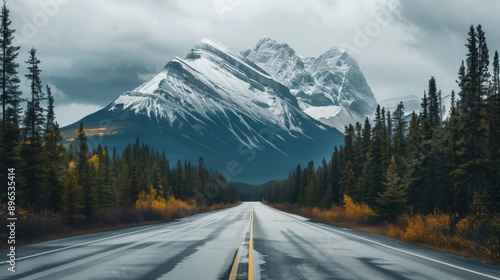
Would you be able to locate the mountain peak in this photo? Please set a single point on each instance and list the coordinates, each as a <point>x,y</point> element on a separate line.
<point>266,39</point>
<point>269,43</point>
<point>211,42</point>
<point>332,79</point>
<point>210,45</point>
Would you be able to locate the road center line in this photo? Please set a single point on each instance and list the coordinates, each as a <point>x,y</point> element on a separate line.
<point>250,248</point>
<point>234,270</point>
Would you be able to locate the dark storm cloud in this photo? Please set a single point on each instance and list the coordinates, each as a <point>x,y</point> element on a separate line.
<point>94,50</point>
<point>99,86</point>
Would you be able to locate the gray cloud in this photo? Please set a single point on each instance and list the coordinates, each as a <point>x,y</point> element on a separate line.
<point>94,50</point>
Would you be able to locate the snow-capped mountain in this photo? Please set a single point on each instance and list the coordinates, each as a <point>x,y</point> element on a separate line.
<point>330,88</point>
<point>220,106</point>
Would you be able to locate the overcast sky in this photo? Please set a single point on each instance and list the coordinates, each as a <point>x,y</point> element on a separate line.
<point>94,50</point>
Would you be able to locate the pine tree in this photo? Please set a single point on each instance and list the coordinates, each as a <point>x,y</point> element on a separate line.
<point>180,181</point>
<point>10,137</point>
<point>105,195</point>
<point>391,203</point>
<point>348,182</point>
<point>72,195</point>
<point>310,187</point>
<point>327,200</point>
<point>323,182</point>
<point>50,119</point>
<point>35,114</point>
<point>334,175</point>
<point>469,176</point>
<point>426,126</point>
<point>493,118</point>
<point>133,185</point>
<point>296,184</point>
<point>32,150</point>
<point>483,61</point>
<point>85,173</point>
<point>399,124</point>
<point>11,95</point>
<point>55,156</point>
<point>434,105</point>
<point>376,157</point>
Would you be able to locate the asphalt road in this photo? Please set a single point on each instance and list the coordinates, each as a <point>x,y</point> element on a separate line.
<point>205,246</point>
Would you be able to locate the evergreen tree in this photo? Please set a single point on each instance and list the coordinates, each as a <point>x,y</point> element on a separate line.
<point>483,61</point>
<point>11,95</point>
<point>72,195</point>
<point>310,187</point>
<point>10,136</point>
<point>434,105</point>
<point>469,176</point>
<point>85,172</point>
<point>50,119</point>
<point>105,195</point>
<point>296,184</point>
<point>35,114</point>
<point>32,151</point>
<point>334,174</point>
<point>376,157</point>
<point>391,203</point>
<point>133,185</point>
<point>348,182</point>
<point>399,124</point>
<point>55,155</point>
<point>180,181</point>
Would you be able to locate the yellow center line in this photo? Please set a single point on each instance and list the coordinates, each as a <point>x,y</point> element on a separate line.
<point>234,269</point>
<point>250,248</point>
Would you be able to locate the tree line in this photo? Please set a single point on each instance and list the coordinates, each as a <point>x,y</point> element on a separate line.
<point>431,160</point>
<point>71,179</point>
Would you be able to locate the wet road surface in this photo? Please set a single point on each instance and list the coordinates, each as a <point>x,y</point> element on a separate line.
<point>205,246</point>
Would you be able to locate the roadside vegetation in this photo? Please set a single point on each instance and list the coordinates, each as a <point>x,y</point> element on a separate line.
<point>435,230</point>
<point>430,178</point>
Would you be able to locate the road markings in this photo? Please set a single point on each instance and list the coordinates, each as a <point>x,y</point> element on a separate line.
<point>250,248</point>
<point>410,253</point>
<point>98,240</point>
<point>234,270</point>
<point>80,244</point>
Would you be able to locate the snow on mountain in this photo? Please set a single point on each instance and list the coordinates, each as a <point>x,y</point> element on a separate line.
<point>334,116</point>
<point>332,79</point>
<point>220,106</point>
<point>169,96</point>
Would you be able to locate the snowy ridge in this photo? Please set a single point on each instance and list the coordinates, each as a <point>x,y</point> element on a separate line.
<point>332,79</point>
<point>203,87</point>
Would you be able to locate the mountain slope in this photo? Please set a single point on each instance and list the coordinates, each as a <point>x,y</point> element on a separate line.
<point>332,79</point>
<point>220,106</point>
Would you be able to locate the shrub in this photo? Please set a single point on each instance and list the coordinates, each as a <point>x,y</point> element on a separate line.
<point>154,207</point>
<point>359,213</point>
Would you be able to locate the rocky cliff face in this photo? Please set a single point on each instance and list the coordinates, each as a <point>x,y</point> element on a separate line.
<point>331,84</point>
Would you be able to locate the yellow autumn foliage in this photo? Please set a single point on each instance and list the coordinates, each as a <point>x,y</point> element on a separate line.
<point>168,209</point>
<point>357,212</point>
<point>72,165</point>
<point>94,161</point>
